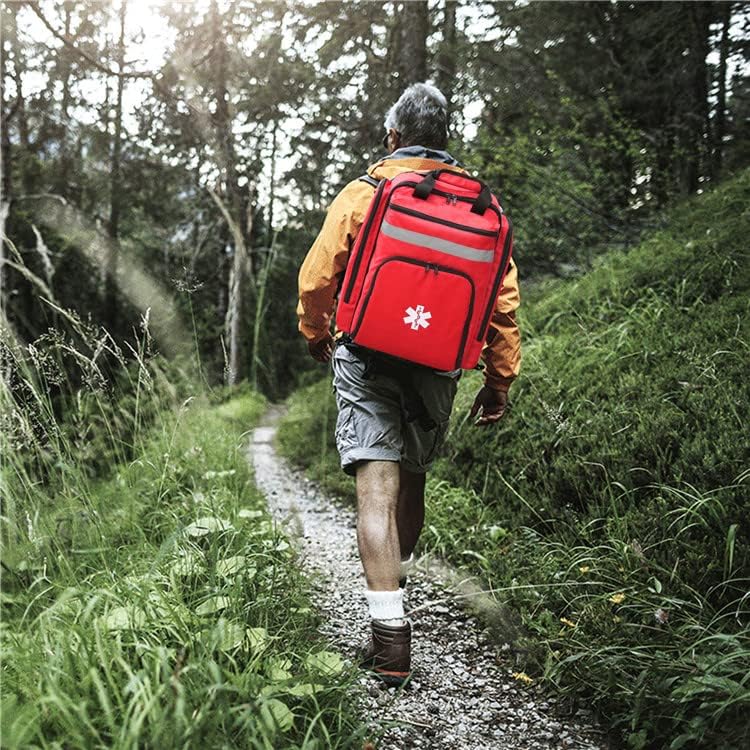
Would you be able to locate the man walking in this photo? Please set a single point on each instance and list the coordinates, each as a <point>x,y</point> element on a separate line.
<point>392,416</point>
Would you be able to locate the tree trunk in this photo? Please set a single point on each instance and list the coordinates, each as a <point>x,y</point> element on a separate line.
<point>115,188</point>
<point>697,125</point>
<point>721,97</point>
<point>61,183</point>
<point>5,173</point>
<point>233,319</point>
<point>5,113</point>
<point>237,219</point>
<point>4,209</point>
<point>414,23</point>
<point>272,186</point>
<point>446,57</point>
<point>20,104</point>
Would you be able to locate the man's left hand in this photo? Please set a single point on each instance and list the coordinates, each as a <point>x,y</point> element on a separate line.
<point>492,404</point>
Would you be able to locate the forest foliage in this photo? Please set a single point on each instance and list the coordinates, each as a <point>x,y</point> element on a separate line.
<point>181,157</point>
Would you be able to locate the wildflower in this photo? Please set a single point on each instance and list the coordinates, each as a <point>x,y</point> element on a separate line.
<point>661,616</point>
<point>584,569</point>
<point>523,677</point>
<point>566,621</point>
<point>616,619</point>
<point>617,598</point>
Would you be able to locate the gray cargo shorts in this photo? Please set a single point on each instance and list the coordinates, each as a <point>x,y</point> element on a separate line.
<point>372,423</point>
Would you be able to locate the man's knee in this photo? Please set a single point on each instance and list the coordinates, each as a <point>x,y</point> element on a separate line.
<point>378,483</point>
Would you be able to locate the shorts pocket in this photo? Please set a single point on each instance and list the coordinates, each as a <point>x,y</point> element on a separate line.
<point>345,438</point>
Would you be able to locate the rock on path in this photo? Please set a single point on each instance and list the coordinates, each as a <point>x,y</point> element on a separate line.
<point>463,695</point>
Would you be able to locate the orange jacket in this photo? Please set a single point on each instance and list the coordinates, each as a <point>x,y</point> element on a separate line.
<point>323,270</point>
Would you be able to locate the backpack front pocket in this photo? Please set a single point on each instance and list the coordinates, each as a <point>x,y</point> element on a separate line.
<point>417,311</point>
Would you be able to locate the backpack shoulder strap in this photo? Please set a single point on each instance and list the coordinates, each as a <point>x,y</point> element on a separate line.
<point>369,180</point>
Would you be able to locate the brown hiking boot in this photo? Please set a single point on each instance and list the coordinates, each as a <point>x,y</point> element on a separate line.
<point>389,652</point>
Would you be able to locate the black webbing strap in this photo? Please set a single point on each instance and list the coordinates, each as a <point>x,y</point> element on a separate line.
<point>482,203</point>
<point>425,187</point>
<point>370,180</point>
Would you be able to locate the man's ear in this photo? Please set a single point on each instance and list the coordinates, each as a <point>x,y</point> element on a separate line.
<point>394,139</point>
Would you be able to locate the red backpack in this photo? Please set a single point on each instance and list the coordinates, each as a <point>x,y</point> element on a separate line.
<point>426,268</point>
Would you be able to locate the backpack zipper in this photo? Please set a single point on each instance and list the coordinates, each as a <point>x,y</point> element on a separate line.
<point>363,243</point>
<point>495,287</point>
<point>444,194</point>
<point>454,225</point>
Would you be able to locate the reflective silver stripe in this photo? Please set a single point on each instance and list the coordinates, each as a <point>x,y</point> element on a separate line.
<point>435,243</point>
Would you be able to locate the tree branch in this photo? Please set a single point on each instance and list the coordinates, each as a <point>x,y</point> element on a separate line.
<point>71,44</point>
<point>135,74</point>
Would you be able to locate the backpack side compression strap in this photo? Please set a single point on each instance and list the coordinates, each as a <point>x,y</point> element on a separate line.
<point>369,180</point>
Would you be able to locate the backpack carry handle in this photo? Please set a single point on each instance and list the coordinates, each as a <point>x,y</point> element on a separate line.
<point>425,187</point>
<point>482,203</point>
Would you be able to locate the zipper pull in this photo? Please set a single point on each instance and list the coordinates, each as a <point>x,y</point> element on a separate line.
<point>451,199</point>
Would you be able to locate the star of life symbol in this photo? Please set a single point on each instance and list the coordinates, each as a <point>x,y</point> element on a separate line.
<point>417,318</point>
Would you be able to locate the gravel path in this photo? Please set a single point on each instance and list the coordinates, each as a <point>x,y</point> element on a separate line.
<point>463,695</point>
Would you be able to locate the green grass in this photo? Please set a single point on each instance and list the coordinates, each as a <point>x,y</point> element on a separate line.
<point>147,598</point>
<point>164,609</point>
<point>610,507</point>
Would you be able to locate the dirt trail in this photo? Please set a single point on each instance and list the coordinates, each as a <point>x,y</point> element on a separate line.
<point>463,694</point>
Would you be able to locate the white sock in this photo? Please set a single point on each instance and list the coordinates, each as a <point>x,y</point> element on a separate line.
<point>407,565</point>
<point>387,606</point>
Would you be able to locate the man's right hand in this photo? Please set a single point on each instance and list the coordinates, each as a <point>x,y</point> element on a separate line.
<point>322,350</point>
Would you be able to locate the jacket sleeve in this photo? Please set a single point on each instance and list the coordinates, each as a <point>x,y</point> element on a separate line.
<point>323,268</point>
<point>502,352</point>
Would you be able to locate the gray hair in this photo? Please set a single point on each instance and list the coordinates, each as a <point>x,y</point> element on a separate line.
<point>420,116</point>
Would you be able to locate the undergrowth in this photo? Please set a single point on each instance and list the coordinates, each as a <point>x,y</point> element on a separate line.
<point>147,598</point>
<point>610,506</point>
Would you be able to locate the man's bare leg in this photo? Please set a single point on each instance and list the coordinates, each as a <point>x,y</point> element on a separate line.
<point>410,511</point>
<point>389,651</point>
<point>377,529</point>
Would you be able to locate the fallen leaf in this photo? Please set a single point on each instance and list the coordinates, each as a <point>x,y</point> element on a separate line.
<point>257,637</point>
<point>233,565</point>
<point>124,618</point>
<point>230,634</point>
<point>207,525</point>
<point>247,513</point>
<point>304,689</point>
<point>523,677</point>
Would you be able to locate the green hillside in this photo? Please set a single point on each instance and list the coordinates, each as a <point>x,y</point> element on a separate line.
<point>610,508</point>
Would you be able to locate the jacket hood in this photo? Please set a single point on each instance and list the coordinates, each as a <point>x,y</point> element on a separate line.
<point>388,168</point>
